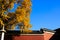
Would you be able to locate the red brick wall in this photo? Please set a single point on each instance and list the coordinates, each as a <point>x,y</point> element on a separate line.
<point>47,35</point>
<point>28,37</point>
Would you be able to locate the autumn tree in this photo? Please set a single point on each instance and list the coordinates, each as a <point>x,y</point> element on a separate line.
<point>20,17</point>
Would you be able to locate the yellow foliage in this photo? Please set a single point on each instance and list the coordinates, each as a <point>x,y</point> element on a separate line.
<point>1,22</point>
<point>11,5</point>
<point>21,15</point>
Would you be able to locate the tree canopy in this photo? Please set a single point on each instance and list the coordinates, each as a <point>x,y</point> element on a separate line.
<point>20,17</point>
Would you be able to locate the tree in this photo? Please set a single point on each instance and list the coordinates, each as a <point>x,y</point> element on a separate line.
<point>20,17</point>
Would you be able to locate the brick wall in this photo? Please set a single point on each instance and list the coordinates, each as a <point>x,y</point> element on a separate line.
<point>41,36</point>
<point>45,36</point>
<point>48,35</point>
<point>29,37</point>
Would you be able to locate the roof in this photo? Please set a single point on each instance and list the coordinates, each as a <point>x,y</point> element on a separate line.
<point>18,32</point>
<point>48,30</point>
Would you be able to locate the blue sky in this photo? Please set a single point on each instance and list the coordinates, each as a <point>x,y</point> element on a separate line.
<point>45,14</point>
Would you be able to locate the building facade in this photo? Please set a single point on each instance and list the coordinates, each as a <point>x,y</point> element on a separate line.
<point>43,34</point>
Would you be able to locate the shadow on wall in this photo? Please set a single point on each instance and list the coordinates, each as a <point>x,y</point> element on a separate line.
<point>8,37</point>
<point>56,36</point>
<point>10,33</point>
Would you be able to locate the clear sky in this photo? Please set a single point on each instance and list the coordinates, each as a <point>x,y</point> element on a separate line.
<point>45,14</point>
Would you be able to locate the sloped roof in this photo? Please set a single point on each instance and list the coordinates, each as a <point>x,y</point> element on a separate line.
<point>18,32</point>
<point>48,30</point>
